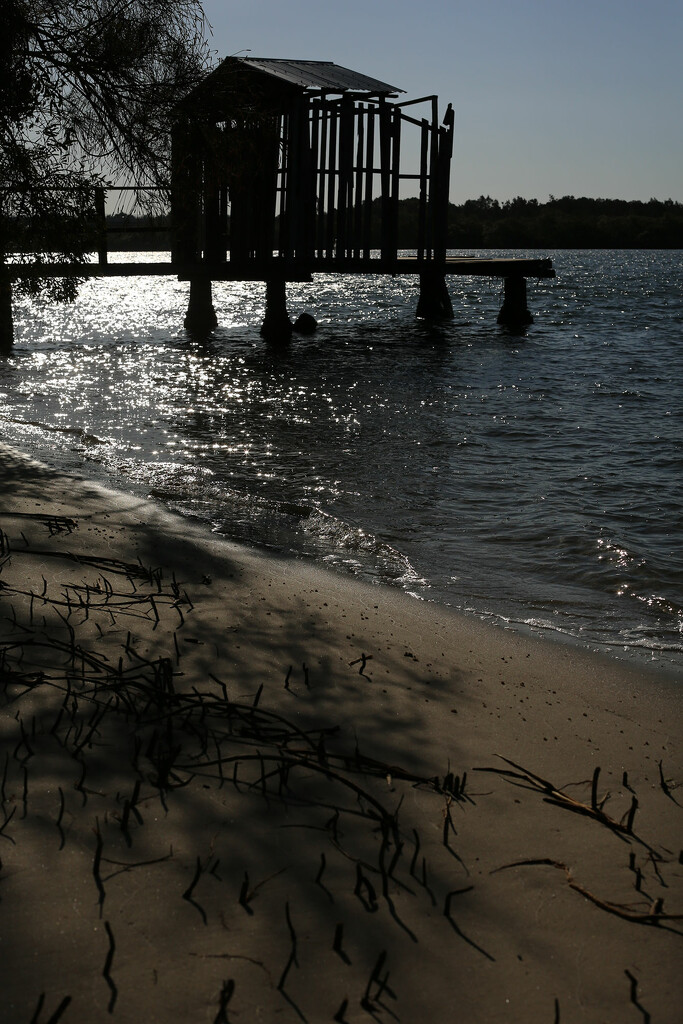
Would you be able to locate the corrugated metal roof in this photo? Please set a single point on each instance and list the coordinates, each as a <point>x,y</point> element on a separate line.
<point>319,74</point>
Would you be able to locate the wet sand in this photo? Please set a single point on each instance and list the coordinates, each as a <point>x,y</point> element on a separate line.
<point>237,787</point>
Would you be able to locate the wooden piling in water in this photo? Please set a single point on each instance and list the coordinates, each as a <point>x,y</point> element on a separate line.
<point>434,302</point>
<point>276,323</point>
<point>201,316</point>
<point>514,311</point>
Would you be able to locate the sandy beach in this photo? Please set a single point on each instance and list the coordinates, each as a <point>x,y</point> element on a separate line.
<point>236,787</point>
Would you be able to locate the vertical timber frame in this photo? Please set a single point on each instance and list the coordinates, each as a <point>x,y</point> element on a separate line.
<point>436,152</point>
<point>385,135</point>
<point>283,176</point>
<point>274,177</point>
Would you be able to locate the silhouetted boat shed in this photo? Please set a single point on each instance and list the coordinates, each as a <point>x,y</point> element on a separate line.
<point>281,169</point>
<point>289,166</point>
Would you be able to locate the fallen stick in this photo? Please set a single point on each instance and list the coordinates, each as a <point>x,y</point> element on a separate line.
<point>655,916</point>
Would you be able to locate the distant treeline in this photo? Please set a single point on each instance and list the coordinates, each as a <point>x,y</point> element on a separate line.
<point>141,233</point>
<point>565,223</point>
<point>486,223</point>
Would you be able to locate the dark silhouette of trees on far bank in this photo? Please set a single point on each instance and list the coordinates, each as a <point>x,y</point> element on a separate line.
<point>566,223</point>
<point>485,223</point>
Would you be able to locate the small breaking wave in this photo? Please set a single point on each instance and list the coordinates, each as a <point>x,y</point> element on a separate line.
<point>51,428</point>
<point>390,564</point>
<point>288,526</point>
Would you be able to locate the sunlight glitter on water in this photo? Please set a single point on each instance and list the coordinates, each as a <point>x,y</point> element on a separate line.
<point>535,479</point>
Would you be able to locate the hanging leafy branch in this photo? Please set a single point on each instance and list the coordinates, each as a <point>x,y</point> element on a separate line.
<point>88,90</point>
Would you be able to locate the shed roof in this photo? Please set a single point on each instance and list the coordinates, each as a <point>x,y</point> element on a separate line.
<point>320,75</point>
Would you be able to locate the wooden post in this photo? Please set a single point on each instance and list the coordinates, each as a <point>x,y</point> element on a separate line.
<point>185,195</point>
<point>514,311</point>
<point>301,185</point>
<point>358,182</point>
<point>322,204</point>
<point>444,140</point>
<point>201,316</point>
<point>331,223</point>
<point>434,302</point>
<point>6,321</point>
<point>282,172</point>
<point>309,151</point>
<point>369,182</point>
<point>276,324</point>
<point>266,192</point>
<point>433,216</point>
<point>315,163</point>
<point>101,215</point>
<point>396,124</point>
<point>422,250</point>
<point>223,231</point>
<point>211,208</point>
<point>385,179</point>
<point>345,191</point>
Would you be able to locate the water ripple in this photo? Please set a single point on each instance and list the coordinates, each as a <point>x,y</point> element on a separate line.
<point>534,479</point>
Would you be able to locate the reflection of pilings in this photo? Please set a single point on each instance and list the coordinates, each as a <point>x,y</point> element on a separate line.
<point>201,316</point>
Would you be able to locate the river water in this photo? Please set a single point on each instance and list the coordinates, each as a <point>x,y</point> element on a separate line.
<point>532,479</point>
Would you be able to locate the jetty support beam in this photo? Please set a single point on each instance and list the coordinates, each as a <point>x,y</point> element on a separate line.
<point>514,311</point>
<point>434,302</point>
<point>276,324</point>
<point>201,316</point>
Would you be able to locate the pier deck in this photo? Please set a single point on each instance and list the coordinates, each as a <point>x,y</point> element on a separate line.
<point>461,266</point>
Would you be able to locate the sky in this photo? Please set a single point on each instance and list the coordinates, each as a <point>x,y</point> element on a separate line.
<point>552,97</point>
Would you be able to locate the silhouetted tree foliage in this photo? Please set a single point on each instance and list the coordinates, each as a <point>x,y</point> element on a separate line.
<point>87,92</point>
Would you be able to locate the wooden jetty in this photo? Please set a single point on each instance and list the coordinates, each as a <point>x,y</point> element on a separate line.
<point>283,169</point>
